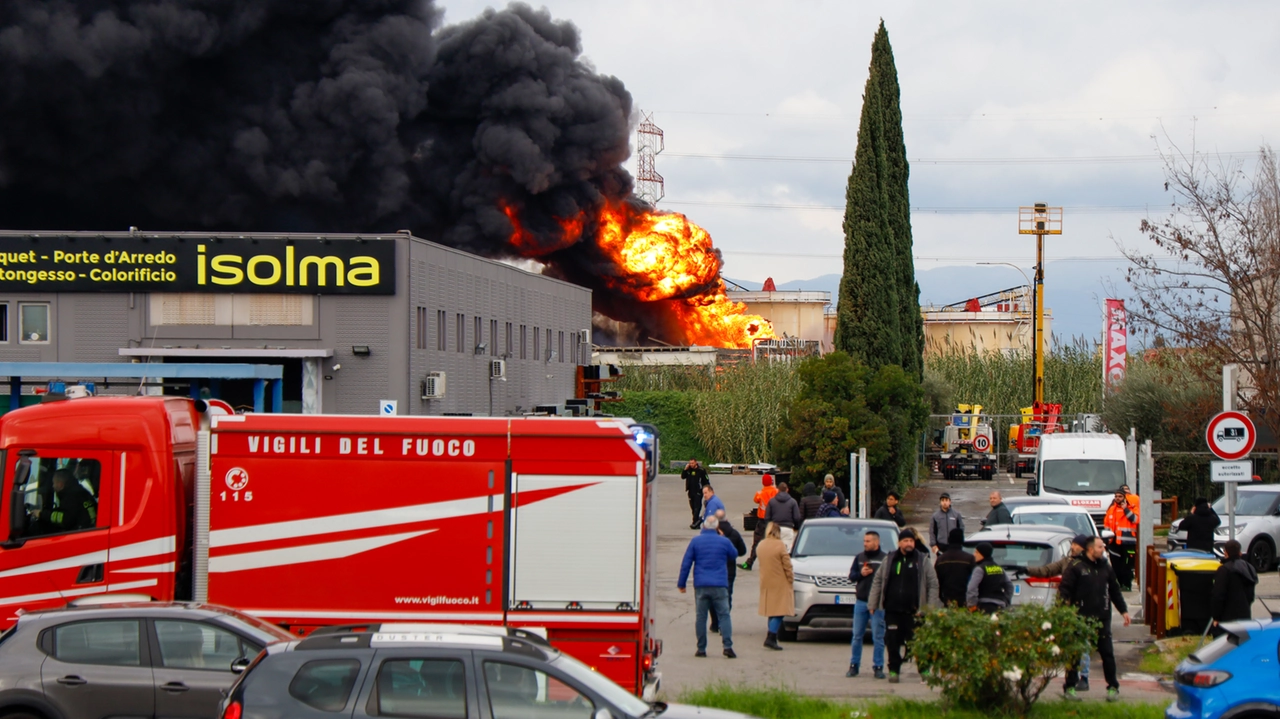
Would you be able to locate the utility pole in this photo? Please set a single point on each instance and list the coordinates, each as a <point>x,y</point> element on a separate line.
<point>1038,220</point>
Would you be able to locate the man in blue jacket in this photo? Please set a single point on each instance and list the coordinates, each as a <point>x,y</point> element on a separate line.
<point>711,503</point>
<point>709,555</point>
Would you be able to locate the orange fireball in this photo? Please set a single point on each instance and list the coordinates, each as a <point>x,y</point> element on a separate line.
<point>661,258</point>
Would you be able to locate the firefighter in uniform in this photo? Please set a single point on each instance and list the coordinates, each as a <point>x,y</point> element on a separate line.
<point>1122,519</point>
<point>990,588</point>
<point>73,507</point>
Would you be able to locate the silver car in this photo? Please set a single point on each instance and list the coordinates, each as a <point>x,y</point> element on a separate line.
<point>1257,525</point>
<point>1019,546</point>
<point>821,557</point>
<point>127,660</point>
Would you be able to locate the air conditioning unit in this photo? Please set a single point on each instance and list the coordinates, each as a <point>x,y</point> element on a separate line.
<point>433,386</point>
<point>497,369</point>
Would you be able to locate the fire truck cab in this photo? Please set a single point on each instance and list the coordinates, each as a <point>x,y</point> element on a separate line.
<point>311,520</point>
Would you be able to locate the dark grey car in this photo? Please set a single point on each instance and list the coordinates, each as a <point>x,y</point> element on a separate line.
<point>127,660</point>
<point>442,671</point>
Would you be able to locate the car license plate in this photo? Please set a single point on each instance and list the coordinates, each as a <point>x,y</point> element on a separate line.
<point>1017,589</point>
<point>846,599</point>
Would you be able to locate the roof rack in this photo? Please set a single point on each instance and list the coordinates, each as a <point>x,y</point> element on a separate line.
<point>529,635</point>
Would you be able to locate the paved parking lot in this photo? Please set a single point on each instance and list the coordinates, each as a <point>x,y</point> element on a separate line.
<point>816,664</point>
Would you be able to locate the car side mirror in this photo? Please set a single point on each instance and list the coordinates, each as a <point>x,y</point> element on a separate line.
<point>1033,487</point>
<point>1107,535</point>
<point>239,665</point>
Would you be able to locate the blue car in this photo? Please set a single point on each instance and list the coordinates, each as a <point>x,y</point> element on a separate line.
<point>1236,676</point>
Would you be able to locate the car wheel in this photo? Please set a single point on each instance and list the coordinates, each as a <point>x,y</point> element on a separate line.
<point>1262,555</point>
<point>788,632</point>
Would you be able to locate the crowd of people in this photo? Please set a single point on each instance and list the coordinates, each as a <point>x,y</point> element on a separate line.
<point>893,589</point>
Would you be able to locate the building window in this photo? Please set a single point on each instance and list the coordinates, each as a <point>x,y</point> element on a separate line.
<point>4,322</point>
<point>420,328</point>
<point>493,338</point>
<point>537,343</point>
<point>549,350</point>
<point>510,348</point>
<point>461,344</point>
<point>442,330</point>
<point>560,345</point>
<point>479,332</point>
<point>524,341</point>
<point>33,323</point>
<point>577,347</point>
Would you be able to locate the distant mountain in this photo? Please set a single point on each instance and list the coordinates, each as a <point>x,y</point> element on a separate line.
<point>1074,291</point>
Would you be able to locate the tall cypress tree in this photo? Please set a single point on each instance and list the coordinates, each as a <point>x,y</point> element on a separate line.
<point>869,312</point>
<point>885,75</point>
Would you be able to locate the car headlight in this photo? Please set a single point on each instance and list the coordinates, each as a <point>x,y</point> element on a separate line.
<point>1225,530</point>
<point>806,578</point>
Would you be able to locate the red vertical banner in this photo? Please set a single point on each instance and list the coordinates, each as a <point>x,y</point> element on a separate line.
<point>1115,343</point>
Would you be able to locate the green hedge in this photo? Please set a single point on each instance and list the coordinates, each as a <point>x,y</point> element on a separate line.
<point>672,413</point>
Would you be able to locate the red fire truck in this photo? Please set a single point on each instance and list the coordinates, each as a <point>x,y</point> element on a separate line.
<point>310,520</point>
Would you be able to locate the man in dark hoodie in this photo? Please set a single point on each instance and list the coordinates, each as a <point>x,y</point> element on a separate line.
<point>904,584</point>
<point>1233,585</point>
<point>1089,584</point>
<point>862,574</point>
<point>728,532</point>
<point>954,566</point>
<point>810,502</point>
<point>891,511</point>
<point>1199,525</point>
<point>783,510</point>
<point>695,478</point>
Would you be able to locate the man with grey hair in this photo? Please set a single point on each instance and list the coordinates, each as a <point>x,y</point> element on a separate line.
<point>709,555</point>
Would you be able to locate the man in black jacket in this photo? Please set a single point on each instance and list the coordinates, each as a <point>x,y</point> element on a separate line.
<point>954,567</point>
<point>990,588</point>
<point>999,513</point>
<point>1233,585</point>
<point>1199,525</point>
<point>695,478</point>
<point>784,510</point>
<point>727,531</point>
<point>891,511</point>
<point>1089,584</point>
<point>862,574</point>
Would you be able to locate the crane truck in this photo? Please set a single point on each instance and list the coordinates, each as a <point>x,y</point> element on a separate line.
<point>968,447</point>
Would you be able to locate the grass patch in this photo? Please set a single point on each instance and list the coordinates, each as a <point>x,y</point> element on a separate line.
<point>1163,656</point>
<point>778,703</point>
<point>1162,532</point>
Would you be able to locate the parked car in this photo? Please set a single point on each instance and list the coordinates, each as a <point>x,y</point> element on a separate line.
<point>1076,519</point>
<point>1020,500</point>
<point>1257,525</point>
<point>144,659</point>
<point>1232,677</point>
<point>1016,547</point>
<point>435,670</point>
<point>821,558</point>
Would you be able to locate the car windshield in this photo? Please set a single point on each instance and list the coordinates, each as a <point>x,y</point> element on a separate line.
<point>1018,554</point>
<point>1255,504</point>
<point>1082,476</point>
<point>265,632</point>
<point>1075,521</point>
<point>601,685</point>
<point>841,539</point>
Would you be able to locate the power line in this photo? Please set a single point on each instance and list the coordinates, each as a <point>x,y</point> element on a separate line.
<point>961,161</point>
<point>921,209</point>
<point>925,258</point>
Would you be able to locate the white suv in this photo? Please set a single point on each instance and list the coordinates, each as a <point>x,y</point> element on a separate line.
<point>1257,525</point>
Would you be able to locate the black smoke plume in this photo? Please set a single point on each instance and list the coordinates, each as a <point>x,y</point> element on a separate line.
<point>309,115</point>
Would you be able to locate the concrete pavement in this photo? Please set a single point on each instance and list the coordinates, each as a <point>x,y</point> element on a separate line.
<point>815,664</point>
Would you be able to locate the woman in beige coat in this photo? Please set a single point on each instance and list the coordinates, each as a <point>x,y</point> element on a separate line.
<point>777,598</point>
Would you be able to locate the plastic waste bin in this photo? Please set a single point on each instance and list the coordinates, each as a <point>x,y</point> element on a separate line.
<point>1188,587</point>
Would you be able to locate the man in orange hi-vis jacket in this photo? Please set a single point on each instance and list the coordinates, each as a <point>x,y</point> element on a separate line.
<point>1122,519</point>
<point>766,493</point>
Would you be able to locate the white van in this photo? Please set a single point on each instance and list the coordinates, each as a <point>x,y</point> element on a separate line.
<point>1084,468</point>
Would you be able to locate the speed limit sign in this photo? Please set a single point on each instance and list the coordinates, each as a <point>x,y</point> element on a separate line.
<point>982,443</point>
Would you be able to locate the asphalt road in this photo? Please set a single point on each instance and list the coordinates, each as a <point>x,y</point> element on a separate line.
<point>815,664</point>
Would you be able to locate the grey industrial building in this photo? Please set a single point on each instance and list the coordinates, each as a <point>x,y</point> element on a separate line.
<point>352,319</point>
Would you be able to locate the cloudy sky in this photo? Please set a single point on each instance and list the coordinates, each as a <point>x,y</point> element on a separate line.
<point>1005,104</point>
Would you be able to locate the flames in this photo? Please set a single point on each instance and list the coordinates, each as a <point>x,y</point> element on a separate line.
<point>661,261</point>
